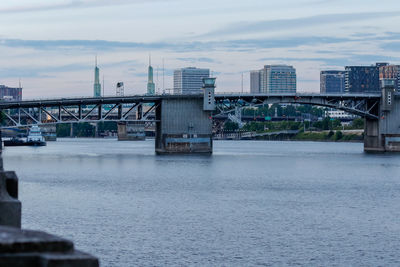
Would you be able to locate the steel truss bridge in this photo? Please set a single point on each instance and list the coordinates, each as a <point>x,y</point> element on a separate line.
<point>141,108</point>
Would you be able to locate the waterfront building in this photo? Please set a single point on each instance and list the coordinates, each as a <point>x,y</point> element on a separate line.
<point>391,72</point>
<point>151,87</point>
<point>363,79</point>
<point>96,85</point>
<point>332,82</point>
<point>339,114</point>
<point>277,79</point>
<point>189,80</point>
<point>10,93</point>
<point>255,81</point>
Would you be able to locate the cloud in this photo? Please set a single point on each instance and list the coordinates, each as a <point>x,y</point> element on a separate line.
<point>282,24</point>
<point>35,72</point>
<point>74,4</point>
<point>79,44</point>
<point>229,45</point>
<point>392,46</point>
<point>342,60</point>
<point>195,60</point>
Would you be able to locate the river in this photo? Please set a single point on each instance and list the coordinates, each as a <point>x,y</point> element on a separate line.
<point>250,203</point>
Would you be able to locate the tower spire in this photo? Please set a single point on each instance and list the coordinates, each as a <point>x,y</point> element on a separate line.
<point>96,85</point>
<point>150,82</point>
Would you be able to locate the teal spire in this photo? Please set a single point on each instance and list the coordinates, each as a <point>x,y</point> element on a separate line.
<point>151,87</point>
<point>97,85</point>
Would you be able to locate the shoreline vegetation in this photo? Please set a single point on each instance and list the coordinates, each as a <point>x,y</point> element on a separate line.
<point>331,136</point>
<point>327,129</point>
<point>316,136</point>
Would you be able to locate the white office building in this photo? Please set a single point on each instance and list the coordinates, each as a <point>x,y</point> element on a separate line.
<point>273,79</point>
<point>339,114</point>
<point>189,80</point>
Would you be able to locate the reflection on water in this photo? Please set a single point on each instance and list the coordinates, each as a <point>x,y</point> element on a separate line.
<point>250,203</point>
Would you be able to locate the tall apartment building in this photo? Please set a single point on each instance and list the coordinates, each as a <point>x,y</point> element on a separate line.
<point>332,82</point>
<point>255,81</point>
<point>391,72</point>
<point>10,93</point>
<point>189,80</point>
<point>362,79</point>
<point>274,79</point>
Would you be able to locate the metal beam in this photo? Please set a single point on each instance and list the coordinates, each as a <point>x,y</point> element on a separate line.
<point>70,113</point>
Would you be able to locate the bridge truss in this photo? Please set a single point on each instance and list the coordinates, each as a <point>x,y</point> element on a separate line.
<point>364,105</point>
<point>142,108</point>
<point>123,109</point>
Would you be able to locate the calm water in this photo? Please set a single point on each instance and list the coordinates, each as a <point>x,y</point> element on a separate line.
<point>250,203</point>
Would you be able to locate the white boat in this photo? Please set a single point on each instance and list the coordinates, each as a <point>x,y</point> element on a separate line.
<point>35,137</point>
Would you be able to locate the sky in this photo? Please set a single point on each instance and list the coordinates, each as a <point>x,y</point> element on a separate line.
<point>50,45</point>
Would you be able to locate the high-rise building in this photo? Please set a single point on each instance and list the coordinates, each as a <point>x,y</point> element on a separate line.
<point>151,87</point>
<point>189,80</point>
<point>274,79</point>
<point>280,79</point>
<point>332,81</point>
<point>255,81</point>
<point>391,72</point>
<point>10,93</point>
<point>97,85</point>
<point>362,79</point>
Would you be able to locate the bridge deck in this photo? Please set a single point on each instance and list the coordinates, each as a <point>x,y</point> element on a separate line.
<point>156,98</point>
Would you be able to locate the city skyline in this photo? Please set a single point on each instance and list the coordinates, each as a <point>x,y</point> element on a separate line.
<point>51,45</point>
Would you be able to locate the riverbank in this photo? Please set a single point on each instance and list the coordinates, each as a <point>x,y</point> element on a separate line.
<point>330,136</point>
<point>318,136</point>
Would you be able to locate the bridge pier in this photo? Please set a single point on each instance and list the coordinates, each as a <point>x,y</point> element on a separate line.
<point>383,135</point>
<point>131,131</point>
<point>184,125</point>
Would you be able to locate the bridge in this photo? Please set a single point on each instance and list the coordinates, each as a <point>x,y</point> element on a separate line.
<point>184,122</point>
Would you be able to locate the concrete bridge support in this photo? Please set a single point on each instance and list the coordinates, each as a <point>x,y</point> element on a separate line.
<point>383,135</point>
<point>184,125</point>
<point>134,131</point>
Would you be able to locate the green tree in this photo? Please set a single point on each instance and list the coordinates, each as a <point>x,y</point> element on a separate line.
<point>63,130</point>
<point>326,123</point>
<point>358,123</point>
<point>2,117</point>
<point>231,126</point>
<point>336,123</point>
<point>84,130</point>
<point>290,111</point>
<point>338,135</point>
<point>107,126</point>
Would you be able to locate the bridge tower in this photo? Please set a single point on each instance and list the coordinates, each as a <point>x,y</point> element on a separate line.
<point>383,135</point>
<point>184,125</point>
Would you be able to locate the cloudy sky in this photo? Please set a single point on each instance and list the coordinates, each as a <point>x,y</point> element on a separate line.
<point>51,44</point>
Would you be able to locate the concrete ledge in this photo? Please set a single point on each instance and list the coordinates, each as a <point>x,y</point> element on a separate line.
<point>26,248</point>
<point>21,241</point>
<point>10,206</point>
